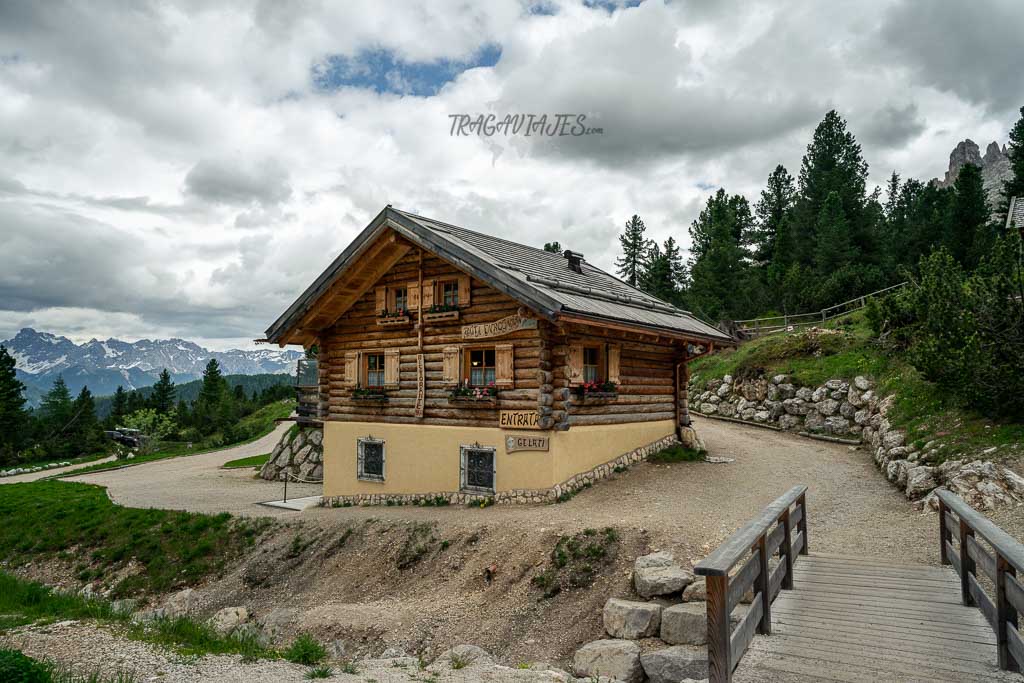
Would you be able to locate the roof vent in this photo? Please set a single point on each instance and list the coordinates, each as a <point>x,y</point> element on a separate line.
<point>575,260</point>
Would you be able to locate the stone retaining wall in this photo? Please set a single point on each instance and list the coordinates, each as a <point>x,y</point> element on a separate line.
<point>516,496</point>
<point>300,453</point>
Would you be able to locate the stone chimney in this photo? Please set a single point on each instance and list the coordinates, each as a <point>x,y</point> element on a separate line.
<point>575,260</point>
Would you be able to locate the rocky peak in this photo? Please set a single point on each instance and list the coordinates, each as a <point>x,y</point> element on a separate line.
<point>995,167</point>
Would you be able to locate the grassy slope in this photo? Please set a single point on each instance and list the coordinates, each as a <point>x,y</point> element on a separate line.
<point>260,423</point>
<point>250,462</point>
<point>77,523</point>
<point>925,411</point>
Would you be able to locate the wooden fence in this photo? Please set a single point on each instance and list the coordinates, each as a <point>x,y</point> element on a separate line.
<point>780,528</point>
<point>759,327</point>
<point>999,564</point>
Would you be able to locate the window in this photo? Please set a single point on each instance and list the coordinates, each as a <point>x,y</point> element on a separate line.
<point>370,454</point>
<point>450,293</point>
<point>401,299</point>
<point>477,468</point>
<point>375,370</point>
<point>591,364</point>
<point>481,367</point>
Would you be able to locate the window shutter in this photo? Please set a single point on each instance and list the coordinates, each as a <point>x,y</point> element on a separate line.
<point>427,295</point>
<point>382,299</point>
<point>352,368</point>
<point>391,358</point>
<point>614,354</point>
<point>504,365</point>
<point>464,290</point>
<point>574,364</point>
<point>413,292</point>
<point>450,373</point>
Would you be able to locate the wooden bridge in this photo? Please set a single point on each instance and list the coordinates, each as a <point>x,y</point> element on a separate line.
<point>814,617</point>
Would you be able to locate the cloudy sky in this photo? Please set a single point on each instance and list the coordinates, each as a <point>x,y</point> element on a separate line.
<point>186,169</point>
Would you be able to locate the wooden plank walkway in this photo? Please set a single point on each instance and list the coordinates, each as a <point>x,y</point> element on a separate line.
<point>856,619</point>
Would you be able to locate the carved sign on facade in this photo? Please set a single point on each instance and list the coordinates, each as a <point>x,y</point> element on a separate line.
<point>498,328</point>
<point>518,419</point>
<point>522,442</point>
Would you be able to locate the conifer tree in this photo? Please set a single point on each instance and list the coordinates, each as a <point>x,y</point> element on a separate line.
<point>775,204</point>
<point>833,249</point>
<point>718,262</point>
<point>673,255</point>
<point>634,245</point>
<point>13,418</point>
<point>553,247</point>
<point>1014,187</point>
<point>209,409</point>
<point>118,407</point>
<point>968,234</point>
<point>56,406</point>
<point>164,394</point>
<point>84,432</point>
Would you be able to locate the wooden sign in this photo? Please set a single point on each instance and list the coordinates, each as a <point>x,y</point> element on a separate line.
<point>518,419</point>
<point>498,328</point>
<point>522,442</point>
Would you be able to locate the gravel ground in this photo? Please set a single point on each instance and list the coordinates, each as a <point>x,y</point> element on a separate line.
<point>196,482</point>
<point>107,651</point>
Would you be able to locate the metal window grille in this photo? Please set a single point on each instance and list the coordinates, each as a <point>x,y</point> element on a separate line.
<point>371,459</point>
<point>477,468</point>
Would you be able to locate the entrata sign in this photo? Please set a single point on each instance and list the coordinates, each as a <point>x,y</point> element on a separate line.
<point>498,328</point>
<point>518,419</point>
<point>521,442</point>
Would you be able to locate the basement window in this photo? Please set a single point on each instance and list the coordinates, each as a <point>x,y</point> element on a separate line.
<point>370,453</point>
<point>477,465</point>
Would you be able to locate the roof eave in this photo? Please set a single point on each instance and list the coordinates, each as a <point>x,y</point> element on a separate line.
<point>569,315</point>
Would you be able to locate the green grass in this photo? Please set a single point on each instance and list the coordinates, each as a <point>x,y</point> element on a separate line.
<point>25,602</point>
<point>677,453</point>
<point>926,412</point>
<point>253,461</point>
<point>79,524</point>
<point>16,667</point>
<point>260,423</point>
<point>576,560</point>
<point>305,650</point>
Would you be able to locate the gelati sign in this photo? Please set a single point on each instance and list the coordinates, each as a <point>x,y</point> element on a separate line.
<point>525,442</point>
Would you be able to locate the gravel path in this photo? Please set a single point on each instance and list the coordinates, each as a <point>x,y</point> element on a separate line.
<point>196,482</point>
<point>852,508</point>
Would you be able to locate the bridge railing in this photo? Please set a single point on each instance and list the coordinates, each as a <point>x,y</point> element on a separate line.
<point>743,563</point>
<point>960,527</point>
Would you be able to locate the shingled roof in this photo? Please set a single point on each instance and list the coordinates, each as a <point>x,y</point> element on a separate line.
<point>541,280</point>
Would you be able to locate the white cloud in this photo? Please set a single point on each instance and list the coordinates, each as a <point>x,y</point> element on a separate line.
<point>171,169</point>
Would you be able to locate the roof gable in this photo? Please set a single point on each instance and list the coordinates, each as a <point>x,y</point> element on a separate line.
<point>540,280</point>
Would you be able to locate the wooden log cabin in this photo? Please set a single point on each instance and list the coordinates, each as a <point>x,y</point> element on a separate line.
<point>458,364</point>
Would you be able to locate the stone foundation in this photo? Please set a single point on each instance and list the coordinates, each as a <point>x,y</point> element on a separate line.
<point>299,454</point>
<point>515,496</point>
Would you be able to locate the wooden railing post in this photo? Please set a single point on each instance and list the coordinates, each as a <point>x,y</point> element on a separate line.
<point>802,526</point>
<point>1006,616</point>
<point>719,630</point>
<point>786,551</point>
<point>763,583</point>
<point>967,566</point>
<point>944,533</point>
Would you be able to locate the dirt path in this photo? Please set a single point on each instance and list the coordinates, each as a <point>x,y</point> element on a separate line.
<point>196,482</point>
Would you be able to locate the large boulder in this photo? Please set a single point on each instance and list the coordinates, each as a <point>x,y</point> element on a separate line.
<point>618,659</point>
<point>631,620</point>
<point>685,624</point>
<point>696,591</point>
<point>181,603</point>
<point>658,574</point>
<point>674,664</point>
<point>228,619</point>
<point>920,481</point>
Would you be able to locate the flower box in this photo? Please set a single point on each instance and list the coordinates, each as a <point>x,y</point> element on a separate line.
<point>393,321</point>
<point>370,398</point>
<point>440,316</point>
<point>597,396</point>
<point>474,401</point>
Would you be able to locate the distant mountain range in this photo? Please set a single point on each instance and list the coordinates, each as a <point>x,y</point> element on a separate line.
<point>104,365</point>
<point>995,167</point>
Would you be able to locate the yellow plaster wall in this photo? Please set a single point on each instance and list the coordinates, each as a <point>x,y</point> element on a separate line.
<point>425,458</point>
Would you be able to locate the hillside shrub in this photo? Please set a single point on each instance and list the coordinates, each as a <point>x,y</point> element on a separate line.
<point>16,667</point>
<point>965,332</point>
